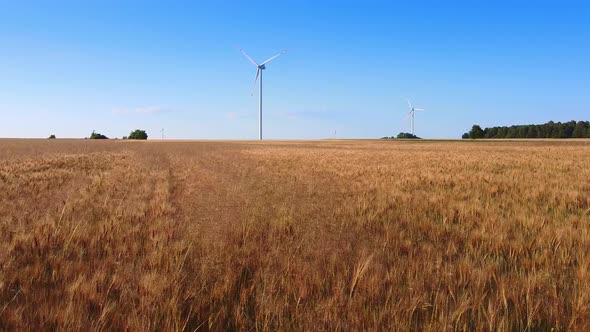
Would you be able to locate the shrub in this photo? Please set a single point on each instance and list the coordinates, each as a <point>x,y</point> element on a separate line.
<point>138,134</point>
<point>407,136</point>
<point>97,136</point>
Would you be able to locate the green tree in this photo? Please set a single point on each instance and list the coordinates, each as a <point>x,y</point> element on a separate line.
<point>476,132</point>
<point>51,136</point>
<point>532,133</point>
<point>512,132</point>
<point>541,131</point>
<point>580,130</point>
<point>569,129</point>
<point>555,132</point>
<point>561,132</point>
<point>407,136</point>
<point>138,134</point>
<point>550,129</point>
<point>97,136</point>
<point>491,132</point>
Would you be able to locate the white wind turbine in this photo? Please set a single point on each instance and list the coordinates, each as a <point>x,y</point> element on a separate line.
<point>260,67</point>
<point>412,111</point>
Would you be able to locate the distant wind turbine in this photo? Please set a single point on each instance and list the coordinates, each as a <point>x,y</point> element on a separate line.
<point>162,131</point>
<point>260,67</point>
<point>411,114</point>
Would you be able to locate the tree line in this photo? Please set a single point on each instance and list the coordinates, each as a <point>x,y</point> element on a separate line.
<point>402,136</point>
<point>571,129</point>
<point>136,134</point>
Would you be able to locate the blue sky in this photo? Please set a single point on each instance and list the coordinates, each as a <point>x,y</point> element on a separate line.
<point>70,67</point>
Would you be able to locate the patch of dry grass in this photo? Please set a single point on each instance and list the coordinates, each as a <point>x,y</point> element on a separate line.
<point>294,235</point>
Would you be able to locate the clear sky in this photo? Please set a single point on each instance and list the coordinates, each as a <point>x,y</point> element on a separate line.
<point>70,67</point>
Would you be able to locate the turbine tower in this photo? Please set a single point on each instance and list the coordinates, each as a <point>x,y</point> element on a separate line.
<point>412,111</point>
<point>260,68</point>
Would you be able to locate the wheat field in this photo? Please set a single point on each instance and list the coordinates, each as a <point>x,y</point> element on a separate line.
<point>301,235</point>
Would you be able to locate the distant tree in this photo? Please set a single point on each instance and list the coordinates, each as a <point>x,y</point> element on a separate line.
<point>407,136</point>
<point>138,134</point>
<point>569,129</point>
<point>465,136</point>
<point>581,129</point>
<point>522,132</point>
<point>512,132</point>
<point>532,133</point>
<point>550,129</point>
<point>491,132</point>
<point>502,132</point>
<point>124,137</point>
<point>51,136</point>
<point>555,130</point>
<point>561,132</point>
<point>97,136</point>
<point>542,131</point>
<point>476,132</point>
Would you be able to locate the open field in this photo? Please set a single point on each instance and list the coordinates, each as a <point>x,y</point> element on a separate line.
<point>331,235</point>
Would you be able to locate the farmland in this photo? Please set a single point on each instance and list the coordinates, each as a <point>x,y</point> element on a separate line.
<point>300,235</point>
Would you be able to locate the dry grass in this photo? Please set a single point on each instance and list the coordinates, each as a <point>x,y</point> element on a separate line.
<point>334,235</point>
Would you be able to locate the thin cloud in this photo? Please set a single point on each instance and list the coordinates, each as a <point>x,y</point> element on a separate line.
<point>147,110</point>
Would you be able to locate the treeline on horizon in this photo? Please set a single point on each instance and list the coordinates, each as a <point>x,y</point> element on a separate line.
<point>571,129</point>
<point>136,134</point>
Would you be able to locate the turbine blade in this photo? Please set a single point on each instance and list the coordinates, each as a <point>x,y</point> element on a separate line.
<point>409,103</point>
<point>255,80</point>
<point>274,57</point>
<point>419,109</point>
<point>247,56</point>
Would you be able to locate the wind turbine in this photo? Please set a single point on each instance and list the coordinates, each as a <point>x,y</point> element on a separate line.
<point>260,67</point>
<point>412,111</point>
<point>162,131</point>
